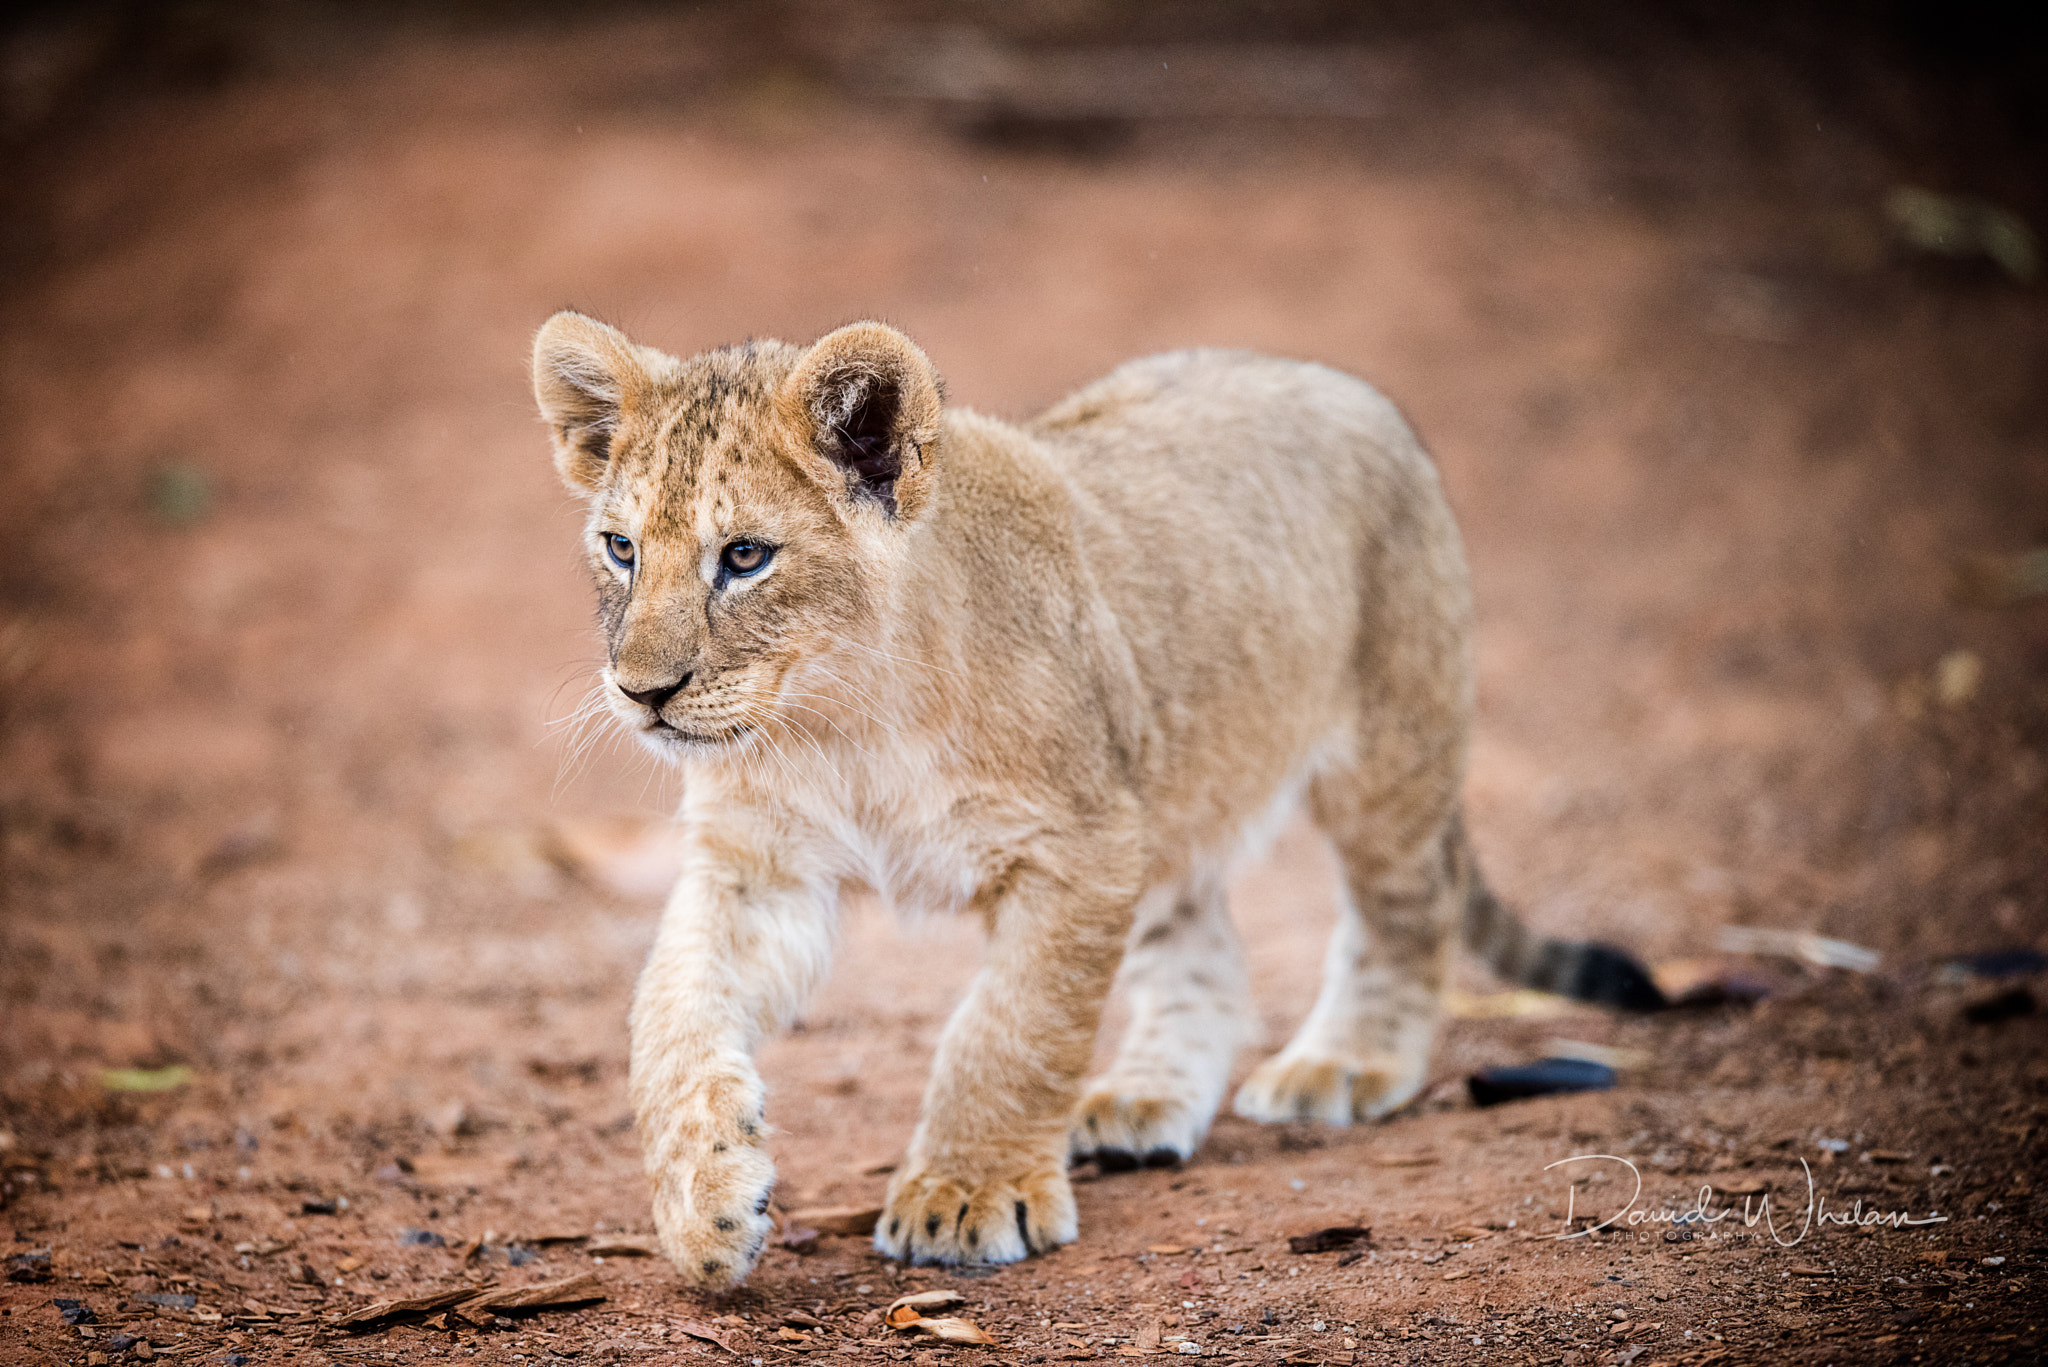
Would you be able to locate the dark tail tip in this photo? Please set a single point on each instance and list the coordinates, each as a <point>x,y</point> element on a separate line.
<point>1612,977</point>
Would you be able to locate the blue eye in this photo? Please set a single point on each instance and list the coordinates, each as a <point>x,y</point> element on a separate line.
<point>620,549</point>
<point>743,558</point>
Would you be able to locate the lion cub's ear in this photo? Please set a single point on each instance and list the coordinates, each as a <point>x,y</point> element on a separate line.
<point>587,376</point>
<point>868,399</point>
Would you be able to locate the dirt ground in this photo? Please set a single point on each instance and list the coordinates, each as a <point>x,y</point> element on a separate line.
<point>289,603</point>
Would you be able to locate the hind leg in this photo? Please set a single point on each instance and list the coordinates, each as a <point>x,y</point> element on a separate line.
<point>1189,1013</point>
<point>1364,1049</point>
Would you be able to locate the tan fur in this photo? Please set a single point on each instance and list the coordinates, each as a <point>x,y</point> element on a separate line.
<point>1063,674</point>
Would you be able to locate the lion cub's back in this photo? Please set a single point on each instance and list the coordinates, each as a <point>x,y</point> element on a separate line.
<point>1191,433</point>
<point>1276,544</point>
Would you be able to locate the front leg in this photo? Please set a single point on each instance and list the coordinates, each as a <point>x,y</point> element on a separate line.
<point>742,942</point>
<point>985,1180</point>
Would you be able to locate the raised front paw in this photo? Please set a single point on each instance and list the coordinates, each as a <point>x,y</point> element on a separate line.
<point>1124,1124</point>
<point>711,1201</point>
<point>932,1216</point>
<point>1338,1091</point>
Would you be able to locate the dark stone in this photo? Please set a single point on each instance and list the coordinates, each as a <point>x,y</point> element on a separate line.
<point>1546,1077</point>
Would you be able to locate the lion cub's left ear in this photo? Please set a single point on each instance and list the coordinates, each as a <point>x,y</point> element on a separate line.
<point>868,400</point>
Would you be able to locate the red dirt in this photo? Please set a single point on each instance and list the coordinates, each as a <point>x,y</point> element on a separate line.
<point>281,804</point>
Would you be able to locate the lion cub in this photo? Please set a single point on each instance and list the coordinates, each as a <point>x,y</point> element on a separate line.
<point>1064,674</point>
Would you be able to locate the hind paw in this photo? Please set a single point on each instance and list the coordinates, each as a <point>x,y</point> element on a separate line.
<point>1337,1091</point>
<point>1122,1126</point>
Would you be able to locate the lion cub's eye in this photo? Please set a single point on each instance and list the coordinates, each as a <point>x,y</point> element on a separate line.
<point>746,557</point>
<point>620,549</point>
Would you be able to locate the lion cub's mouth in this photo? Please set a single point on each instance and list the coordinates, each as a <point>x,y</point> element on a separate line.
<point>672,734</point>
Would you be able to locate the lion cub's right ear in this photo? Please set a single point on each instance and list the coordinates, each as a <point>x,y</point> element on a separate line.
<point>587,377</point>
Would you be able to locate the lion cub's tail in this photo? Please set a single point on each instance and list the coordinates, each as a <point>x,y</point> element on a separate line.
<point>1571,968</point>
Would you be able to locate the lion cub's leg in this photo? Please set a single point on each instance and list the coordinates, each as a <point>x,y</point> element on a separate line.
<point>1364,1048</point>
<point>741,943</point>
<point>985,1180</point>
<point>1190,1011</point>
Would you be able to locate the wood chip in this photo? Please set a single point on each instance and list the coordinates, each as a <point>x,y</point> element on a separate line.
<point>850,1221</point>
<point>579,1289</point>
<point>1808,1270</point>
<point>1168,1249</point>
<point>621,1246</point>
<point>1148,1338</point>
<point>1741,1186</point>
<point>1323,1240</point>
<point>379,1311</point>
<point>1402,1160</point>
<point>1471,1232</point>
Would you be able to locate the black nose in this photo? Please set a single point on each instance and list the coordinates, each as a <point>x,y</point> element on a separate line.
<point>655,697</point>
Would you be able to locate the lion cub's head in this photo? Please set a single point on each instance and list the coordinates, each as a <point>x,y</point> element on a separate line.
<point>746,508</point>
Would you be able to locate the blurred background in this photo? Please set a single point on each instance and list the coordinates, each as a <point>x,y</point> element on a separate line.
<point>1726,325</point>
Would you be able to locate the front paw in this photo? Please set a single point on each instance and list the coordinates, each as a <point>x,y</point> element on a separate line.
<point>711,1205</point>
<point>933,1216</point>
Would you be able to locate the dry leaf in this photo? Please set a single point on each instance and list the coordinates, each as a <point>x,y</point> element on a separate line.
<point>921,1301</point>
<point>852,1221</point>
<point>949,1329</point>
<point>348,1264</point>
<point>408,1305</point>
<point>788,1335</point>
<point>459,1169</point>
<point>621,1246</point>
<point>1817,950</point>
<point>1458,1275</point>
<point>1167,1249</point>
<point>1470,1232</point>
<point>1521,1001</point>
<point>706,1333</point>
<point>579,1289</point>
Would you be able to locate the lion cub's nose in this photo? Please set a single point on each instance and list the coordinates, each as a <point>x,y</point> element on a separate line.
<point>654,697</point>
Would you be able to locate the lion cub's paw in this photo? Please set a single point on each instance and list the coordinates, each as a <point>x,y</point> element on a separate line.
<point>1121,1127</point>
<point>1338,1091</point>
<point>711,1212</point>
<point>933,1217</point>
